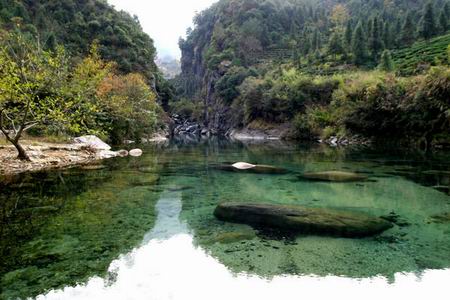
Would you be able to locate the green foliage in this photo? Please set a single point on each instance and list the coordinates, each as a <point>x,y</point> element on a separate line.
<point>315,122</point>
<point>428,26</point>
<point>421,55</point>
<point>416,108</point>
<point>31,92</point>
<point>359,47</point>
<point>250,32</point>
<point>227,86</point>
<point>188,109</point>
<point>43,88</point>
<point>386,63</point>
<point>130,105</point>
<point>376,41</point>
<point>299,47</point>
<point>335,46</point>
<point>77,24</point>
<point>408,31</point>
<point>278,97</point>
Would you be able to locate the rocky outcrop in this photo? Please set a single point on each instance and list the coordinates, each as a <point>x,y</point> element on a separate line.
<point>335,141</point>
<point>84,151</point>
<point>185,127</point>
<point>247,134</point>
<point>302,220</point>
<point>333,176</point>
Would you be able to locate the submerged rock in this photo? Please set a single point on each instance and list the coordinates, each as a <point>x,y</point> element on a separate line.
<point>246,167</point>
<point>233,237</point>
<point>135,152</point>
<point>151,170</point>
<point>304,220</point>
<point>442,218</point>
<point>148,180</point>
<point>333,176</point>
<point>93,167</point>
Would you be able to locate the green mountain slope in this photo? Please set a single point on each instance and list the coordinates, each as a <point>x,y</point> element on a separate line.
<point>76,24</point>
<point>250,62</point>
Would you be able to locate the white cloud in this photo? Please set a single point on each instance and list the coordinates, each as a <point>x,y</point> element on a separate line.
<point>164,20</point>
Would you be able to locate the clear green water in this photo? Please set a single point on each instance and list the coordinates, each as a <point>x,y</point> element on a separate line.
<point>60,229</point>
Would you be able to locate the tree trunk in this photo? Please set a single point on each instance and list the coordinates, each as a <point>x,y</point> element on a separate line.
<point>22,154</point>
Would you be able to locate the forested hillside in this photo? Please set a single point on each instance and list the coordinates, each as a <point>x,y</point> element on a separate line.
<point>76,24</point>
<point>241,48</point>
<point>70,68</point>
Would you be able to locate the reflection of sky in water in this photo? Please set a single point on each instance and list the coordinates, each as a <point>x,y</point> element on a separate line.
<point>168,266</point>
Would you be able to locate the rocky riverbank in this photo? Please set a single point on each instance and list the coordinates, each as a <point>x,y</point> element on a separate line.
<point>45,156</point>
<point>190,130</point>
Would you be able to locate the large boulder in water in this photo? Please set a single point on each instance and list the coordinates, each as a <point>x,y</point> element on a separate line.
<point>250,168</point>
<point>333,176</point>
<point>304,220</point>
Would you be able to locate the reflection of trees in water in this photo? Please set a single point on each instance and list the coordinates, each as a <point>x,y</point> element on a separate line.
<point>61,228</point>
<point>28,200</point>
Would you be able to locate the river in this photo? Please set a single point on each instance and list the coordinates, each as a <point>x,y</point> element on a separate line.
<point>143,228</point>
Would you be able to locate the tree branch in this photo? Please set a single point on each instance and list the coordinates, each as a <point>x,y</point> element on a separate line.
<point>2,128</point>
<point>12,122</point>
<point>24,121</point>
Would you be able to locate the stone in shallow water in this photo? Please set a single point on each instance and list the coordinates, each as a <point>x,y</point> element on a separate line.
<point>122,153</point>
<point>333,176</point>
<point>258,169</point>
<point>135,152</point>
<point>304,220</point>
<point>93,167</point>
<point>148,180</point>
<point>243,166</point>
<point>442,218</point>
<point>233,237</point>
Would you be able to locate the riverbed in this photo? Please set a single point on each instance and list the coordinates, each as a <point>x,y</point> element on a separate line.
<point>143,228</point>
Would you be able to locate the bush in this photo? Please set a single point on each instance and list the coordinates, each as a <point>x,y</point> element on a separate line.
<point>188,109</point>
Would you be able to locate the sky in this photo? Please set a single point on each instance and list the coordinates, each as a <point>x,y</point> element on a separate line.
<point>164,20</point>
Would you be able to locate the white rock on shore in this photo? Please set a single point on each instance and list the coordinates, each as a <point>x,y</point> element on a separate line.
<point>92,141</point>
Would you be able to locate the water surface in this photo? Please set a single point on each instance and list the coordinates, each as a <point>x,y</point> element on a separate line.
<point>146,225</point>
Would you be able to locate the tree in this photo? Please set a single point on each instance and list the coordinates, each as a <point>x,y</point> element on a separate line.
<point>376,41</point>
<point>386,63</point>
<point>443,21</point>
<point>359,47</point>
<point>29,91</point>
<point>335,46</point>
<point>387,36</point>
<point>407,34</point>
<point>348,35</point>
<point>130,103</point>
<point>428,26</point>
<point>316,41</point>
<point>339,16</point>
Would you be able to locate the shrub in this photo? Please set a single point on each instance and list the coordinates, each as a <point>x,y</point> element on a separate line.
<point>188,109</point>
